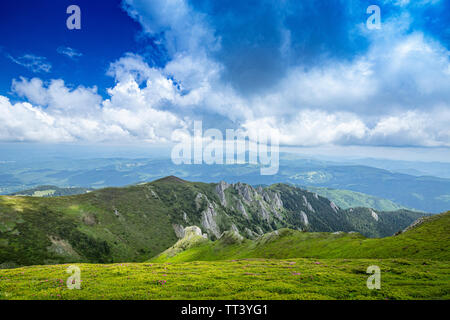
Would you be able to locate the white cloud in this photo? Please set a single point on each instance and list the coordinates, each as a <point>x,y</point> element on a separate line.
<point>34,63</point>
<point>23,122</point>
<point>57,97</point>
<point>311,128</point>
<point>69,52</point>
<point>315,128</point>
<point>414,128</point>
<point>183,29</point>
<point>56,112</point>
<point>397,93</point>
<point>404,3</point>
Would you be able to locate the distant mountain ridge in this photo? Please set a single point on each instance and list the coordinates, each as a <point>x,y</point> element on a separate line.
<point>51,191</point>
<point>138,222</point>
<point>347,199</point>
<point>424,193</point>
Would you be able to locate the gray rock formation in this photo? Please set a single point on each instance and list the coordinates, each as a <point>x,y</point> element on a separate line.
<point>416,223</point>
<point>179,230</point>
<point>241,209</point>
<point>374,215</point>
<point>208,220</point>
<point>334,206</point>
<point>308,205</point>
<point>220,189</point>
<point>262,212</point>
<point>305,218</point>
<point>245,191</point>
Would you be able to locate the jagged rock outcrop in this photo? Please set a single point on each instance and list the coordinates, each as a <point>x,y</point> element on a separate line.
<point>416,223</point>
<point>307,204</point>
<point>179,230</point>
<point>241,209</point>
<point>244,190</point>
<point>263,213</point>
<point>255,211</point>
<point>374,215</point>
<point>305,218</point>
<point>220,189</point>
<point>231,237</point>
<point>192,236</point>
<point>208,220</point>
<point>277,201</point>
<point>334,206</point>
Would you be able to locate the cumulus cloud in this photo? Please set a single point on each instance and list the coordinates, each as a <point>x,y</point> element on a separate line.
<point>336,101</point>
<point>399,97</point>
<point>57,98</point>
<point>24,122</point>
<point>413,128</point>
<point>311,128</point>
<point>394,91</point>
<point>73,114</point>
<point>316,128</point>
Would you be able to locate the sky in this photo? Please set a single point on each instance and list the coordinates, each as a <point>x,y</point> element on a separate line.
<point>310,72</point>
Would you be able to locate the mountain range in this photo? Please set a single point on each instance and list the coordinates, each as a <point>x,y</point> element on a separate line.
<point>138,222</point>
<point>424,193</point>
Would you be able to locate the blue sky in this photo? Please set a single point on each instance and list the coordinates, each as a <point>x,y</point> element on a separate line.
<point>310,72</point>
<point>38,28</point>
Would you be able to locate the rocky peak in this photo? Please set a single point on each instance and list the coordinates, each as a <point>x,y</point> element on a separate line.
<point>245,191</point>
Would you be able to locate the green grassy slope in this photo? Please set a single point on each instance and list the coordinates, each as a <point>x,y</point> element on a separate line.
<point>429,240</point>
<point>240,279</point>
<point>346,199</point>
<point>123,224</point>
<point>287,264</point>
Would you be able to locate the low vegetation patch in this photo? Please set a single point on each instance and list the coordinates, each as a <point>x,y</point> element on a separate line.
<point>234,279</point>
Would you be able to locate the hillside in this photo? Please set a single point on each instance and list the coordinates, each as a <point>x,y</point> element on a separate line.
<point>346,199</point>
<point>138,222</point>
<point>428,239</point>
<point>414,265</point>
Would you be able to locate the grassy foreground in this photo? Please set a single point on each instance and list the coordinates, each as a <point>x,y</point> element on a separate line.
<point>234,279</point>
